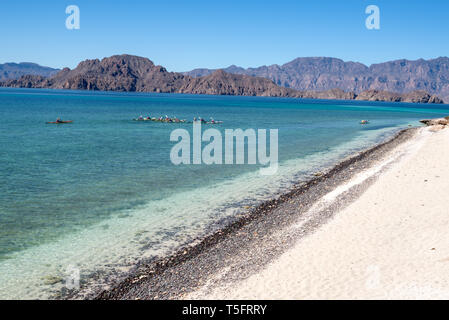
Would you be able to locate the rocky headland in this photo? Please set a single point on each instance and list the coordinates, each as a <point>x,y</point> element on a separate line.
<point>437,124</point>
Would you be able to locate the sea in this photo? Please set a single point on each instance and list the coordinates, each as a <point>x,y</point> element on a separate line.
<point>97,196</point>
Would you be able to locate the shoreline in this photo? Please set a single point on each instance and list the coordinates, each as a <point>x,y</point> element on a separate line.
<point>229,249</point>
<point>389,243</point>
<point>301,99</point>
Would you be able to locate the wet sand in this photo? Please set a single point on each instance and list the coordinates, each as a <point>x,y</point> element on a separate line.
<point>221,265</point>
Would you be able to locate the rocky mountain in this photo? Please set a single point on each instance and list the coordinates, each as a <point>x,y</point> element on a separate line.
<point>223,83</point>
<point>322,73</point>
<point>131,73</point>
<point>16,70</point>
<point>116,73</point>
<point>417,96</point>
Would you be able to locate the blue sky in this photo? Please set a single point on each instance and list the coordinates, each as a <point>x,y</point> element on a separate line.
<point>182,35</point>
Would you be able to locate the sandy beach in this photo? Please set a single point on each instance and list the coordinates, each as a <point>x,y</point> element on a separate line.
<point>371,227</point>
<point>390,243</point>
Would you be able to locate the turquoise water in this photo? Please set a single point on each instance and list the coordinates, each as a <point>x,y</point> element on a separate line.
<point>101,193</point>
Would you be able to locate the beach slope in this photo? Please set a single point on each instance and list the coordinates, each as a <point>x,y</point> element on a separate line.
<point>390,243</point>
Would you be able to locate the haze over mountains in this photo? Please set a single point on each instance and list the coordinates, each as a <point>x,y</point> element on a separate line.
<point>16,70</point>
<point>323,73</point>
<point>324,78</point>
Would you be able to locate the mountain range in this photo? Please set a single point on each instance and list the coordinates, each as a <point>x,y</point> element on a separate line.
<point>323,80</point>
<point>16,70</point>
<point>324,73</point>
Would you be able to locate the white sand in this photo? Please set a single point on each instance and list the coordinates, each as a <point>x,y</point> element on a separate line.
<point>391,243</point>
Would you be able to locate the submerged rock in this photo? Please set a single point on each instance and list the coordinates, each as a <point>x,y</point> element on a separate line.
<point>52,279</point>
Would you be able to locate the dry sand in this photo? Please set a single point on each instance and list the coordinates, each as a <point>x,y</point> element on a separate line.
<point>391,243</point>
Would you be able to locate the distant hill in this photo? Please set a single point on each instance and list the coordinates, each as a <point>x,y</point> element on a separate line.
<point>223,83</point>
<point>132,73</point>
<point>16,70</point>
<point>323,73</point>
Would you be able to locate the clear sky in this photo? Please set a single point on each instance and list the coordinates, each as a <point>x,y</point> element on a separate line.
<point>183,35</point>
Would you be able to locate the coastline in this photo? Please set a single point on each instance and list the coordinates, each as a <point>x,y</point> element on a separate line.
<point>390,243</point>
<point>320,96</point>
<point>107,250</point>
<point>247,245</point>
<point>100,75</point>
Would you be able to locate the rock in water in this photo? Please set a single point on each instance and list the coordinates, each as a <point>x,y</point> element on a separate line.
<point>436,122</point>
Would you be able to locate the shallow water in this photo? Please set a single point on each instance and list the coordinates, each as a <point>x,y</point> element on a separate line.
<point>101,193</point>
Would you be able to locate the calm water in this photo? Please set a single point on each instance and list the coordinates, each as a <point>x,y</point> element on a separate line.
<point>100,193</point>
